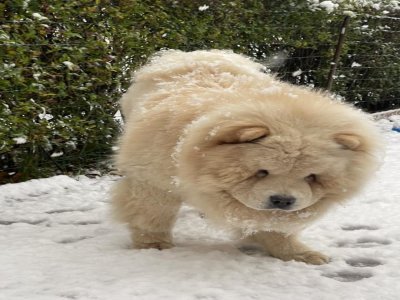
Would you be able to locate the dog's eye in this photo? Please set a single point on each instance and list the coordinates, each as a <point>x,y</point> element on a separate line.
<point>262,173</point>
<point>311,178</point>
<point>257,139</point>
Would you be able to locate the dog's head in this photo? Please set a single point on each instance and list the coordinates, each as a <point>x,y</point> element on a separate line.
<point>278,158</point>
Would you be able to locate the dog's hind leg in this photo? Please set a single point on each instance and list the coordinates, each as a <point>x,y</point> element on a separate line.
<point>149,212</point>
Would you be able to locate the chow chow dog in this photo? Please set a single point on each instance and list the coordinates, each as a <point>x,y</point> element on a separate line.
<point>259,156</point>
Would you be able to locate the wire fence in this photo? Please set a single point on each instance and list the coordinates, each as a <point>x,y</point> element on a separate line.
<point>362,71</point>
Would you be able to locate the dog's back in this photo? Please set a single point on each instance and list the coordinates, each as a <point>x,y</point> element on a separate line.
<point>196,68</point>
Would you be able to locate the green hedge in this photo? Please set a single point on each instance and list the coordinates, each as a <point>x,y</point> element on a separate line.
<point>64,64</point>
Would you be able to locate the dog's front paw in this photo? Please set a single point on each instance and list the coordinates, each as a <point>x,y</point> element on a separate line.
<point>153,245</point>
<point>151,240</point>
<point>311,257</point>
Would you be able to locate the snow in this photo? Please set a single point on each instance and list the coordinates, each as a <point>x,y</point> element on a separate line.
<point>118,117</point>
<point>175,180</point>
<point>20,140</point>
<point>396,120</point>
<point>57,154</point>
<point>181,140</point>
<point>297,73</point>
<point>349,13</point>
<point>45,116</point>
<point>203,7</point>
<point>39,16</point>
<point>213,132</point>
<point>8,66</point>
<point>25,4</point>
<point>71,66</point>
<point>58,242</point>
<point>36,76</point>
<point>271,90</point>
<point>351,5</point>
<point>4,36</point>
<point>71,144</point>
<point>329,6</point>
<point>376,6</point>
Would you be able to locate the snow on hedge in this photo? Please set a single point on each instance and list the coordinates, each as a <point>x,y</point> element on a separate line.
<point>354,5</point>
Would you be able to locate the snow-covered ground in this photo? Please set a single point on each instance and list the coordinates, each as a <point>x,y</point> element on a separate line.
<point>57,242</point>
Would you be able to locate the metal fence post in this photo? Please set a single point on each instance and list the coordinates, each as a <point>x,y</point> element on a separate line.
<point>338,50</point>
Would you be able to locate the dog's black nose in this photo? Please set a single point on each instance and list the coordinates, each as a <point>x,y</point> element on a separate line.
<point>281,201</point>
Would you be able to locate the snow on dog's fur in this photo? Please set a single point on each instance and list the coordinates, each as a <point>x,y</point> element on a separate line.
<point>257,155</point>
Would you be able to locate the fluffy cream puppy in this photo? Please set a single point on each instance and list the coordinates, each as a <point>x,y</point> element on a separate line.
<point>257,155</point>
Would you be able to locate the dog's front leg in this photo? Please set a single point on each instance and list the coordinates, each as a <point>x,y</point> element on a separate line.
<point>287,247</point>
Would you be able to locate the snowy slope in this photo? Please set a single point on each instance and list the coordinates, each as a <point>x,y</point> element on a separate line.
<point>56,242</point>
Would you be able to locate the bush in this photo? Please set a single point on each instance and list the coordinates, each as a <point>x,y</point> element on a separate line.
<point>59,82</point>
<point>64,64</point>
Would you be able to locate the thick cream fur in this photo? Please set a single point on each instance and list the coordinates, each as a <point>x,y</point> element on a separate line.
<point>191,124</point>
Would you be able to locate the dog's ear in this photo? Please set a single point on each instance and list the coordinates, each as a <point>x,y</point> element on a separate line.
<point>349,141</point>
<point>244,135</point>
